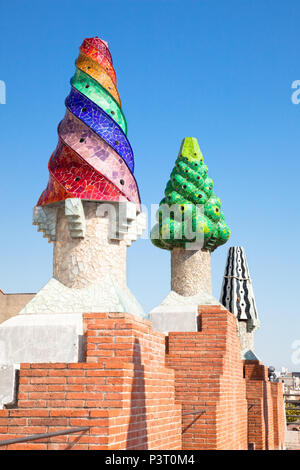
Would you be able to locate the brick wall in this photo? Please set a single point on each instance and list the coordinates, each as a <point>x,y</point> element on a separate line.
<point>278,415</point>
<point>266,421</point>
<point>209,377</point>
<point>123,392</point>
<point>134,383</point>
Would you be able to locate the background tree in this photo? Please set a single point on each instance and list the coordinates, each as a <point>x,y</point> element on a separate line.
<point>292,411</point>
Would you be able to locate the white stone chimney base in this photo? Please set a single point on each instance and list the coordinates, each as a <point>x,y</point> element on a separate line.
<point>102,296</point>
<point>41,338</point>
<point>179,313</point>
<point>37,338</point>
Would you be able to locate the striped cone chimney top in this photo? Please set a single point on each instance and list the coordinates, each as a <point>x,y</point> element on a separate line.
<point>237,292</point>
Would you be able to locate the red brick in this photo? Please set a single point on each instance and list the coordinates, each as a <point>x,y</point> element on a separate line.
<point>129,401</point>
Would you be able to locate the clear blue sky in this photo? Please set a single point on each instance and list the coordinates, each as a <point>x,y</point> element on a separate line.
<point>217,70</point>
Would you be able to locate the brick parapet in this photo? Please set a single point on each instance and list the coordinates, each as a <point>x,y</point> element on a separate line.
<point>123,392</point>
<point>122,336</point>
<point>278,415</point>
<point>137,385</point>
<point>209,376</point>
<point>266,420</point>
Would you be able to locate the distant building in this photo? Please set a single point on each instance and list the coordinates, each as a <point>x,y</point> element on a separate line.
<point>12,304</point>
<point>291,381</point>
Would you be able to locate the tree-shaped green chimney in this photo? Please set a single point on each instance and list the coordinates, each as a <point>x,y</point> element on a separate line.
<point>190,211</point>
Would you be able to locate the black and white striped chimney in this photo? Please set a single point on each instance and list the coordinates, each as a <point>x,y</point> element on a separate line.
<point>238,297</point>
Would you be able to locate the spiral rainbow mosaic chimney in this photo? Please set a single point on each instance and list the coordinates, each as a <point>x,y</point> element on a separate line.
<point>91,208</point>
<point>93,159</point>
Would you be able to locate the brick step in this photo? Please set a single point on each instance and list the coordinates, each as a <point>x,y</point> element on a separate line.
<point>93,385</point>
